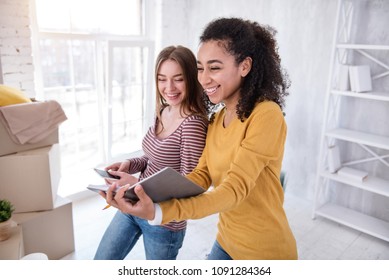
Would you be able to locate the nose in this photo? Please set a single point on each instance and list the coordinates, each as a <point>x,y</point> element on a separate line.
<point>204,77</point>
<point>170,85</point>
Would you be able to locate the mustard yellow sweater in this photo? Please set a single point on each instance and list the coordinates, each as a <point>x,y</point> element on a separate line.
<point>243,163</point>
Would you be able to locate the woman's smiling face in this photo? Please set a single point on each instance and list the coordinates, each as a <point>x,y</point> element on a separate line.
<point>171,82</point>
<point>218,73</point>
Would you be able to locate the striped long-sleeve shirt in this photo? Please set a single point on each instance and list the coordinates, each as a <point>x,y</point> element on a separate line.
<point>181,151</point>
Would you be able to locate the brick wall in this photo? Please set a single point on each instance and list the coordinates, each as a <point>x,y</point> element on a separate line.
<point>16,62</point>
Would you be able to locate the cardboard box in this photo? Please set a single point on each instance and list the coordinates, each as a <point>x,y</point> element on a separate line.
<point>12,248</point>
<point>49,232</point>
<point>30,179</point>
<point>8,146</point>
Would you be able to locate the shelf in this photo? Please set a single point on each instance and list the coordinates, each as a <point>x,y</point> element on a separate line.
<point>342,55</point>
<point>381,96</point>
<point>371,183</point>
<point>362,47</point>
<point>356,220</point>
<point>360,137</point>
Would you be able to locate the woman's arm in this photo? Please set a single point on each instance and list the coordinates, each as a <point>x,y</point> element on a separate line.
<point>137,164</point>
<point>262,146</point>
<point>194,133</point>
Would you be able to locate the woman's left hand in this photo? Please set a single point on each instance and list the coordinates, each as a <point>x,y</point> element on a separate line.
<point>143,208</point>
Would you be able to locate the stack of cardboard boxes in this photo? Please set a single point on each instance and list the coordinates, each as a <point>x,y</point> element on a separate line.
<point>29,178</point>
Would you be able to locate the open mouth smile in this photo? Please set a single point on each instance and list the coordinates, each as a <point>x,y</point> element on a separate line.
<point>172,95</point>
<point>212,90</point>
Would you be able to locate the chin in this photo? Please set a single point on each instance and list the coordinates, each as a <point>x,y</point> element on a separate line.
<point>214,99</point>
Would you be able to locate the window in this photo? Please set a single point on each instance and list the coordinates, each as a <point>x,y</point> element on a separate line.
<point>120,17</point>
<point>92,57</point>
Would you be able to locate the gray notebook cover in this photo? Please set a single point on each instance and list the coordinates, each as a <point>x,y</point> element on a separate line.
<point>163,185</point>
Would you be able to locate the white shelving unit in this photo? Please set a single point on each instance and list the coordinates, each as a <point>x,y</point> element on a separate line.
<point>333,133</point>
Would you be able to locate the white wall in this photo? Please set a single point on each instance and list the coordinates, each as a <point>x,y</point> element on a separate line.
<point>15,46</point>
<point>304,36</point>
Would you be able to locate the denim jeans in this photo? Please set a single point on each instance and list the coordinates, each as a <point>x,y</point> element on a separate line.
<point>124,231</point>
<point>218,253</point>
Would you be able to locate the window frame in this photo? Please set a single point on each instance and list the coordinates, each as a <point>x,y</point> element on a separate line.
<point>144,40</point>
<point>148,98</point>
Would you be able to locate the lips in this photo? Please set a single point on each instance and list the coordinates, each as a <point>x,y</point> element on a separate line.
<point>172,95</point>
<point>211,90</point>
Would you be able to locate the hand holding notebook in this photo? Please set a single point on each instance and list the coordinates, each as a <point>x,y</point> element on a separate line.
<point>163,185</point>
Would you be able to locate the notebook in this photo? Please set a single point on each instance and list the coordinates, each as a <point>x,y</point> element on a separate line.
<point>163,185</point>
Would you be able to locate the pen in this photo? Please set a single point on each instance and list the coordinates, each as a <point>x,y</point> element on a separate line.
<point>107,206</point>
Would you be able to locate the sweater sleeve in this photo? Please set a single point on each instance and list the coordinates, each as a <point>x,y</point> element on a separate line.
<point>263,143</point>
<point>138,164</point>
<point>193,136</point>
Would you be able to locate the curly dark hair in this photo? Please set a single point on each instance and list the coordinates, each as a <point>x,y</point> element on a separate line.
<point>267,80</point>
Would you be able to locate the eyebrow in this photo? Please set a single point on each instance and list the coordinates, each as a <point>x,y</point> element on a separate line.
<point>211,61</point>
<point>177,75</point>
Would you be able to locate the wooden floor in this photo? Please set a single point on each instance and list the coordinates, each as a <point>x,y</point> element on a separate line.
<point>318,239</point>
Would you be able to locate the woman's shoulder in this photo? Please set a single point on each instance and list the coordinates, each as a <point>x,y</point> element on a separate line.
<point>267,113</point>
<point>193,124</point>
<point>267,106</point>
<point>195,119</point>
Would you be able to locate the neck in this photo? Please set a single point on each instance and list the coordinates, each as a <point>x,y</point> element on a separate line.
<point>231,103</point>
<point>175,111</point>
<point>229,116</point>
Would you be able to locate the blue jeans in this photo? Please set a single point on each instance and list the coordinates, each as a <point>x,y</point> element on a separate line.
<point>218,253</point>
<point>124,231</point>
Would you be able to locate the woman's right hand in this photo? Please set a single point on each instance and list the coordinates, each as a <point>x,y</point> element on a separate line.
<point>125,178</point>
<point>119,166</point>
<point>120,169</point>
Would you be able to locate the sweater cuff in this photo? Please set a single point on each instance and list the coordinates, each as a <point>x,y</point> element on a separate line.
<point>158,216</point>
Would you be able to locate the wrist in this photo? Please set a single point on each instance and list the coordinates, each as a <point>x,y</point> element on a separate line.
<point>128,166</point>
<point>157,215</point>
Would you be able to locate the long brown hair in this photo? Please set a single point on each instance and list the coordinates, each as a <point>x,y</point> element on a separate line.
<point>195,101</point>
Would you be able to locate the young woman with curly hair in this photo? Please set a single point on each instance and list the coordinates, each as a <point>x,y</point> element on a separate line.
<point>238,67</point>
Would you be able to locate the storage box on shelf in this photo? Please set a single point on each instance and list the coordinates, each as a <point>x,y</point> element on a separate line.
<point>360,78</point>
<point>332,133</point>
<point>49,232</point>
<point>30,179</point>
